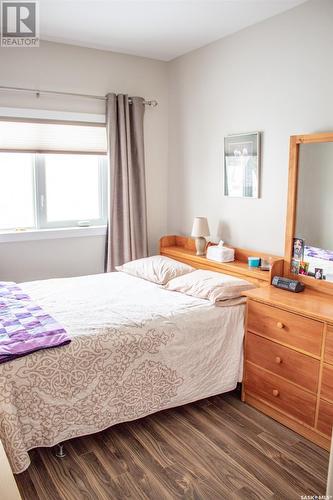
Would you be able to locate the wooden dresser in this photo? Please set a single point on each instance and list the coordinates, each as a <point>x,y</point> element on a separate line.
<point>289,359</point>
<point>9,489</point>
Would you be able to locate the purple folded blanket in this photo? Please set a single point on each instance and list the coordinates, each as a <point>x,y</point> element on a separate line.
<point>24,326</point>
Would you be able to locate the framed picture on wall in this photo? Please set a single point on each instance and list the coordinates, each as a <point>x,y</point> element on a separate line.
<point>242,165</point>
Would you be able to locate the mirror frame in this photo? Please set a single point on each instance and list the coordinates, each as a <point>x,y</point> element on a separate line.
<point>295,142</point>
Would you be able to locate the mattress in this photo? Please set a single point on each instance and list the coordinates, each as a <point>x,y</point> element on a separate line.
<point>136,349</point>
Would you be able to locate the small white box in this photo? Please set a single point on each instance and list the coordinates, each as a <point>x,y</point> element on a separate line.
<point>219,253</point>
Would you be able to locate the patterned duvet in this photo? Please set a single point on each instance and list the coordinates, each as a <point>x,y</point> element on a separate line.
<point>136,349</point>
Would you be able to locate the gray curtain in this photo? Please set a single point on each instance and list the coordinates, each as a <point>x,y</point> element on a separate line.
<point>127,227</point>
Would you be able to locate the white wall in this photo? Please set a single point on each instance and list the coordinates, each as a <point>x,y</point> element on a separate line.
<point>275,77</point>
<point>56,258</point>
<point>81,70</point>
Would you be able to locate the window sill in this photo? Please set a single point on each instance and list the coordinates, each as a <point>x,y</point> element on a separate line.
<point>51,234</point>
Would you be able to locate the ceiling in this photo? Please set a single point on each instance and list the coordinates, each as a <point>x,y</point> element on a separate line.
<point>157,29</point>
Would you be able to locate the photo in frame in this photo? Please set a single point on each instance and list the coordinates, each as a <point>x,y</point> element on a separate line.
<point>298,248</point>
<point>294,267</point>
<point>304,268</point>
<point>319,273</point>
<point>242,165</point>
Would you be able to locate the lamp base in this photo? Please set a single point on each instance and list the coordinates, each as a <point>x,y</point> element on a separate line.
<point>200,245</point>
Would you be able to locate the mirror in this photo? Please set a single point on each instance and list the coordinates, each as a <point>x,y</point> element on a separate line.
<point>241,165</point>
<point>312,252</point>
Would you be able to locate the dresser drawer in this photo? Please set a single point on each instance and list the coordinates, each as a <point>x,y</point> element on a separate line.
<point>294,366</point>
<point>327,382</point>
<point>292,329</point>
<point>9,489</point>
<point>280,394</point>
<point>325,417</point>
<point>329,345</point>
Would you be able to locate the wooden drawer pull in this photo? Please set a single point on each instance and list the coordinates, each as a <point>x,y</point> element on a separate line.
<point>275,393</point>
<point>278,360</point>
<point>280,325</point>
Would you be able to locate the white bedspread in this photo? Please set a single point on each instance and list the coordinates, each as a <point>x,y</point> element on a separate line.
<point>136,349</point>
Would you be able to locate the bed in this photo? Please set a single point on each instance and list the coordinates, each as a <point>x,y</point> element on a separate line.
<point>136,349</point>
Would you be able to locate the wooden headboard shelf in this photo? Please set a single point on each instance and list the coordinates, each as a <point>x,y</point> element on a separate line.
<point>183,249</point>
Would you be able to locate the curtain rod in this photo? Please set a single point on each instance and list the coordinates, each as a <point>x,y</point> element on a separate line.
<point>152,103</point>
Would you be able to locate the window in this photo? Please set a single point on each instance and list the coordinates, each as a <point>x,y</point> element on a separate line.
<point>41,186</point>
<point>39,191</point>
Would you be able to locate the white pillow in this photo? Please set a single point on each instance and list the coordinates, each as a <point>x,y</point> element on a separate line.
<point>209,285</point>
<point>157,269</point>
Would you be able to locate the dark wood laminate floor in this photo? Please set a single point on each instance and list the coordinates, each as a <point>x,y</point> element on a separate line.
<point>217,448</point>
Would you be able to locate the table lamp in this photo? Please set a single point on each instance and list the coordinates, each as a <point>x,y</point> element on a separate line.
<point>200,229</point>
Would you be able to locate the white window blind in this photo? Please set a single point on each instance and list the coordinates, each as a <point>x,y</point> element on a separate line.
<point>47,137</point>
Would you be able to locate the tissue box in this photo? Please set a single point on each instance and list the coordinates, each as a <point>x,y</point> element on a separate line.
<point>220,254</point>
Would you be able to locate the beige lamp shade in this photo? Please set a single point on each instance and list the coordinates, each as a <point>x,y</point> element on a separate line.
<point>200,227</point>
